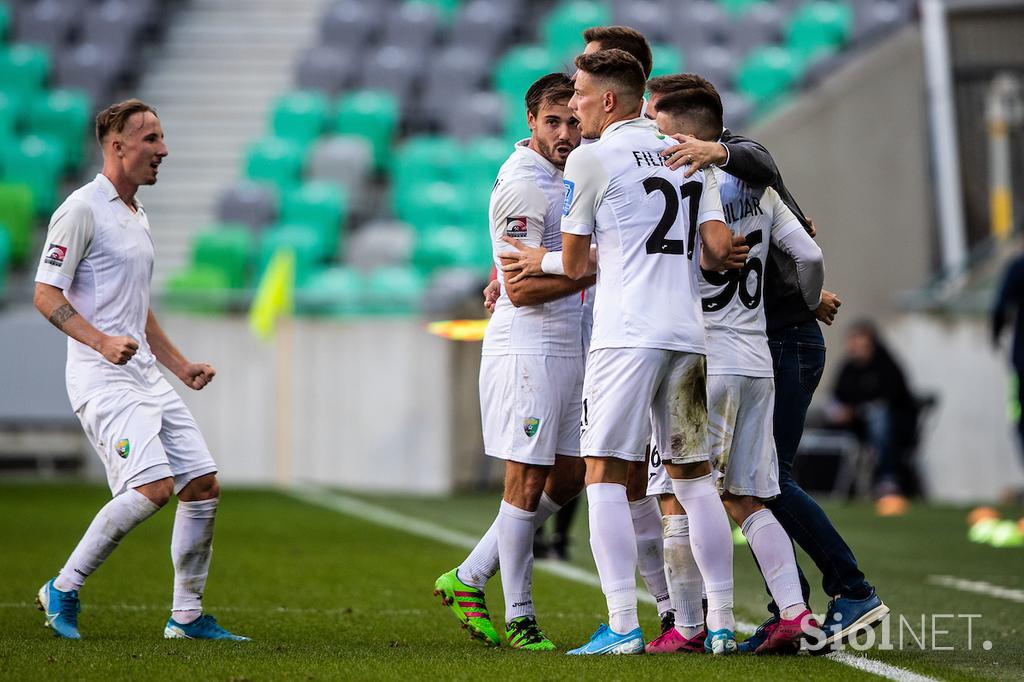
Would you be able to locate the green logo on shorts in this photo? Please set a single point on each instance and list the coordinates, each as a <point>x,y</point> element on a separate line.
<point>122,448</point>
<point>531,425</point>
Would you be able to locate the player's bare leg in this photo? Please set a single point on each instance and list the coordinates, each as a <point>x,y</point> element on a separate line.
<point>773,550</point>
<point>649,544</point>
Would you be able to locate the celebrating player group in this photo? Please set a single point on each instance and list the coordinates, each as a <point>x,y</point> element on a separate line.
<point>674,388</point>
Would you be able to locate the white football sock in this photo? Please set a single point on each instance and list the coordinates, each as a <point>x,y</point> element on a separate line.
<point>191,551</point>
<point>515,550</point>
<point>112,523</point>
<point>774,551</point>
<point>613,542</point>
<point>482,563</point>
<point>711,542</point>
<point>650,550</point>
<point>684,581</point>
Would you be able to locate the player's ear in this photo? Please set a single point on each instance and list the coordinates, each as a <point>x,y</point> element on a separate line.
<point>531,120</point>
<point>610,100</point>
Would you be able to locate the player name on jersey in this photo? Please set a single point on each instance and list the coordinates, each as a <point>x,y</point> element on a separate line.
<point>741,208</point>
<point>645,158</point>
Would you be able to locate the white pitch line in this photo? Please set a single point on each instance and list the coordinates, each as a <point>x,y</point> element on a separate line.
<point>352,506</point>
<point>978,587</point>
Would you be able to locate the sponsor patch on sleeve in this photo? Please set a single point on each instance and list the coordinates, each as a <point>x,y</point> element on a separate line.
<point>515,226</point>
<point>570,189</point>
<point>55,254</point>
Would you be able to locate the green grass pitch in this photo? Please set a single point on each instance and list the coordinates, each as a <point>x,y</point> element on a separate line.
<point>328,596</point>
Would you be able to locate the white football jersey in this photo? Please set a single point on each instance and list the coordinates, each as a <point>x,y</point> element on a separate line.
<point>733,300</point>
<point>645,219</point>
<point>101,254</point>
<point>526,203</point>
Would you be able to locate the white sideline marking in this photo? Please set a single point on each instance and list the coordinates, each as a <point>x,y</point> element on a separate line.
<point>345,504</point>
<point>978,587</point>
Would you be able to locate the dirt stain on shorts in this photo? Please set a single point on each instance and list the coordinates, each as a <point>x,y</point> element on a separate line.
<point>689,405</point>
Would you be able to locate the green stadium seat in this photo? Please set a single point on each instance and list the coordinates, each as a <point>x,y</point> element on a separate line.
<point>228,248</point>
<point>300,116</point>
<point>18,215</point>
<point>431,206</point>
<point>322,205</point>
<point>767,74</point>
<point>336,291</point>
<point>394,290</point>
<point>23,68</point>
<point>10,114</point>
<point>304,240</point>
<point>62,115</point>
<point>198,289</point>
<point>667,60</point>
<point>480,162</point>
<point>819,27</point>
<point>424,159</point>
<point>372,115</point>
<point>275,161</point>
<point>736,6</point>
<point>563,27</point>
<point>446,8</point>
<point>5,23</point>
<point>37,162</point>
<point>518,70</point>
<point>5,259</point>
<point>444,247</point>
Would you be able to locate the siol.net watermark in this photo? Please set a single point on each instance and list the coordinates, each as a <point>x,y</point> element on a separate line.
<point>924,632</point>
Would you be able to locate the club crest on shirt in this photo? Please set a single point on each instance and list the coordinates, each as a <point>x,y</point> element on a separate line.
<point>123,448</point>
<point>55,254</point>
<point>515,226</point>
<point>531,425</point>
<point>570,190</point>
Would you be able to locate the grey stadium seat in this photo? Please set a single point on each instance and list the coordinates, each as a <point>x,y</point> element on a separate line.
<point>646,16</point>
<point>699,23</point>
<point>91,68</point>
<point>346,160</point>
<point>48,22</point>
<point>449,288</point>
<point>326,68</point>
<point>487,25</point>
<point>248,203</point>
<point>738,110</point>
<point>393,68</point>
<point>380,244</point>
<point>761,23</point>
<point>875,18</point>
<point>414,25</point>
<point>714,63</point>
<point>350,24</point>
<point>478,114</point>
<point>115,22</point>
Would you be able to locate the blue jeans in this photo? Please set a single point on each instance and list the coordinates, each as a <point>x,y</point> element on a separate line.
<point>798,354</point>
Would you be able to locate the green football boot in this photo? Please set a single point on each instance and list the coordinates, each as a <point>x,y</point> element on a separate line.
<point>468,605</point>
<point>524,633</point>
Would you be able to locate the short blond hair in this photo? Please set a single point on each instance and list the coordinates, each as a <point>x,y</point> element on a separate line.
<point>115,117</point>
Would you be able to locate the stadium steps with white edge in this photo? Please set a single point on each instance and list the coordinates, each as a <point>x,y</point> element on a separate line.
<point>212,83</point>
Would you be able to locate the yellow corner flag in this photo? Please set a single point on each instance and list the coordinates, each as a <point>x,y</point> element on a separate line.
<point>275,295</point>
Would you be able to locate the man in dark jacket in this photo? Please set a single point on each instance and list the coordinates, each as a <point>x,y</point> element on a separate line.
<point>798,353</point>
<point>1009,302</point>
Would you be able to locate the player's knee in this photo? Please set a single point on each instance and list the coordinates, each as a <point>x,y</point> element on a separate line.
<point>202,488</point>
<point>689,470</point>
<point>158,492</point>
<point>740,507</point>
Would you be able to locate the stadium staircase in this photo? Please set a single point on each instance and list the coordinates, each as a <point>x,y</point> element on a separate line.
<point>212,83</point>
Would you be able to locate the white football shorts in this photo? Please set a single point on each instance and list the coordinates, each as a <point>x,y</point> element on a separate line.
<point>626,389</point>
<point>740,432</point>
<point>142,438</point>
<point>530,407</point>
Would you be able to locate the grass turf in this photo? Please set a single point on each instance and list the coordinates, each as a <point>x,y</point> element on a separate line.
<point>328,596</point>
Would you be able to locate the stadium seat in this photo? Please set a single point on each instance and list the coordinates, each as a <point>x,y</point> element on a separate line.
<point>349,23</point>
<point>63,115</point>
<point>248,203</point>
<point>646,16</point>
<point>5,23</point>
<point>737,6</point>
<point>274,160</point>
<point>442,248</point>
<point>372,115</point>
<point>714,63</point>
<point>449,288</point>
<point>482,114</point>
<point>520,67</point>
<point>198,289</point>
<point>874,18</point>
<point>23,69</point>
<point>667,60</point>
<point>767,74</point>
<point>321,205</point>
<point>430,206</point>
<point>118,23</point>
<point>5,259</point>
<point>335,291</point>
<point>481,159</point>
<point>486,25</point>
<point>48,22</point>
<point>381,243</point>
<point>392,68</point>
<point>10,114</point>
<point>414,25</point>
<point>228,248</point>
<point>394,290</point>
<point>446,8</point>
<point>424,159</point>
<point>562,29</point>
<point>93,68</point>
<point>303,240</point>
<point>326,68</point>
<point>18,215</point>
<point>698,25</point>
<point>299,116</point>
<point>36,161</point>
<point>761,23</point>
<point>345,160</point>
<point>820,26</point>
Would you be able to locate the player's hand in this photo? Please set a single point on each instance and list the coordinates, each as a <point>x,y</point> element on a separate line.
<point>696,154</point>
<point>526,262</point>
<point>491,293</point>
<point>828,308</point>
<point>813,231</point>
<point>738,257</point>
<point>196,375</point>
<point>118,349</point>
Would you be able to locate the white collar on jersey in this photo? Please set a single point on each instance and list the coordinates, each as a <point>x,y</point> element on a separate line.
<point>523,147</point>
<point>110,192</point>
<point>638,122</point>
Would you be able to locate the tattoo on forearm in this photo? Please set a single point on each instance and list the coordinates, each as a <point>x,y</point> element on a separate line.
<point>61,315</point>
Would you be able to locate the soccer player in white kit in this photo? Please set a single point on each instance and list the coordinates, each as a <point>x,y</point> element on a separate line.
<point>531,377</point>
<point>647,351</point>
<point>741,390</point>
<point>93,283</point>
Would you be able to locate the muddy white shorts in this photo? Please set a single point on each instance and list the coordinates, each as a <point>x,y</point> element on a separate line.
<point>625,390</point>
<point>142,438</point>
<point>740,432</point>
<point>530,407</point>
